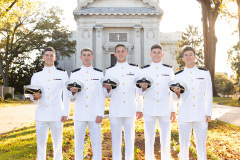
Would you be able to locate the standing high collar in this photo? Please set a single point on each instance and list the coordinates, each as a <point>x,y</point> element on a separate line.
<point>156,64</point>
<point>121,64</point>
<point>86,68</point>
<point>49,68</point>
<point>190,69</point>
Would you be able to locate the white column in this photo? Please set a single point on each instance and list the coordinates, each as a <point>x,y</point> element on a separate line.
<point>137,45</point>
<point>99,48</point>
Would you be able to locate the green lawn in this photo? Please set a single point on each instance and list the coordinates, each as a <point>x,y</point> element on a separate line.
<point>227,101</point>
<point>21,143</point>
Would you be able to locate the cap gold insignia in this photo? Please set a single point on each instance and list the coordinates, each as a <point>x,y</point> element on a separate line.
<point>144,79</point>
<point>74,84</point>
<point>108,81</point>
<point>178,84</point>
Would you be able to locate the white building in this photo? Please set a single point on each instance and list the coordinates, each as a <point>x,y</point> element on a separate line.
<point>102,24</point>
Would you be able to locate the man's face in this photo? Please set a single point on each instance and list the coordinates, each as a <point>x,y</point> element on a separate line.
<point>121,54</point>
<point>156,55</point>
<point>87,58</point>
<point>189,58</point>
<point>49,58</point>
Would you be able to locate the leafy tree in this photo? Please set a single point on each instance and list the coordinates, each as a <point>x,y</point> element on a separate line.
<point>193,38</point>
<point>224,85</point>
<point>210,12</point>
<point>33,31</point>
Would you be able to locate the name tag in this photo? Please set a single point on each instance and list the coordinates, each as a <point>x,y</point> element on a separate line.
<point>130,74</point>
<point>57,79</point>
<point>200,78</point>
<point>165,74</point>
<point>94,79</point>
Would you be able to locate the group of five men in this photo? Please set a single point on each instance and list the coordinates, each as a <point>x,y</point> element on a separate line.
<point>126,104</point>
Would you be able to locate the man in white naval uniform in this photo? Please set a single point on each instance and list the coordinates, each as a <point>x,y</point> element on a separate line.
<point>89,105</point>
<point>51,111</point>
<point>125,106</point>
<point>157,104</point>
<point>195,105</point>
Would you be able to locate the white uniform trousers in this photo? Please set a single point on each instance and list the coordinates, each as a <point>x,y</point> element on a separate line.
<point>200,134</point>
<point>95,135</point>
<point>165,136</point>
<point>116,124</point>
<point>42,128</point>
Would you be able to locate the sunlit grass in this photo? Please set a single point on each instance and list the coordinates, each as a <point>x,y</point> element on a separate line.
<point>227,101</point>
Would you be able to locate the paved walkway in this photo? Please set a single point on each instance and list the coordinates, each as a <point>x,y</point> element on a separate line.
<point>18,116</point>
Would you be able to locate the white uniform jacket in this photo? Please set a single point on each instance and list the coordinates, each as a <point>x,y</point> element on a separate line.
<point>53,104</point>
<point>124,101</point>
<point>157,99</point>
<point>90,102</point>
<point>196,102</point>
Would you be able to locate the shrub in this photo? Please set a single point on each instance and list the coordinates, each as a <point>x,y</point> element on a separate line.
<point>8,95</point>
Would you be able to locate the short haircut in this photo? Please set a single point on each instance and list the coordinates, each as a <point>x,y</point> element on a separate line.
<point>120,45</point>
<point>188,49</point>
<point>156,46</point>
<point>49,49</point>
<point>86,49</point>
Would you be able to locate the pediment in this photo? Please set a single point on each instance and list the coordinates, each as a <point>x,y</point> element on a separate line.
<point>117,3</point>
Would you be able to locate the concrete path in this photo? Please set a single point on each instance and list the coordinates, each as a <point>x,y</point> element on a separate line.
<point>227,114</point>
<point>19,116</point>
<point>14,117</point>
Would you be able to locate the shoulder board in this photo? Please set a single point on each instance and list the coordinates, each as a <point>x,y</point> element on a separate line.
<point>97,69</point>
<point>60,69</point>
<point>39,70</point>
<point>178,72</point>
<point>167,65</point>
<point>110,67</point>
<point>78,69</point>
<point>145,66</point>
<point>133,64</point>
<point>204,69</point>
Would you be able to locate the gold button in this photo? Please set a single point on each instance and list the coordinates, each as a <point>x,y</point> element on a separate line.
<point>48,88</point>
<point>87,80</point>
<point>47,106</point>
<point>86,88</point>
<point>87,72</point>
<point>157,92</point>
<point>86,105</point>
<point>48,71</point>
<point>157,83</point>
<point>86,97</point>
<point>193,96</point>
<point>48,97</point>
<point>192,88</point>
<point>123,83</point>
<point>191,72</point>
<point>156,67</point>
<point>193,105</point>
<point>49,80</point>
<point>122,67</point>
<point>192,80</point>
<point>122,75</point>
<point>157,75</point>
<point>123,92</point>
<point>157,100</point>
<point>123,101</point>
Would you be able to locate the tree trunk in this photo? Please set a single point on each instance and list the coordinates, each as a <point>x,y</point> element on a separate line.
<point>238,4</point>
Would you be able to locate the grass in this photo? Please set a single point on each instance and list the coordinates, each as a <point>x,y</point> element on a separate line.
<point>227,101</point>
<point>12,103</point>
<point>21,143</point>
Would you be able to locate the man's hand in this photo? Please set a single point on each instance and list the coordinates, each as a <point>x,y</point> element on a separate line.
<point>64,119</point>
<point>36,96</point>
<point>74,90</point>
<point>208,119</point>
<point>143,86</point>
<point>108,87</point>
<point>98,119</point>
<point>173,117</point>
<point>176,90</point>
<point>139,115</point>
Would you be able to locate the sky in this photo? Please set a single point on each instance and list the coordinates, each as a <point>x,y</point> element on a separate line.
<point>177,16</point>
